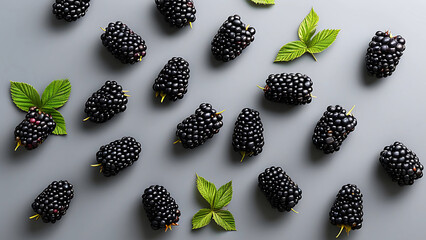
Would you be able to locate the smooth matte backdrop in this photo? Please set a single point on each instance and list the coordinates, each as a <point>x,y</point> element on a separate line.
<point>36,48</point>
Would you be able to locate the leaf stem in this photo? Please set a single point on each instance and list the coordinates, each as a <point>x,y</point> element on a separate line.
<point>314,57</point>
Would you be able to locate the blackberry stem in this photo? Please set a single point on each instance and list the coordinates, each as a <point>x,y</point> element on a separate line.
<point>177,141</point>
<point>190,24</point>
<point>37,216</point>
<point>97,165</point>
<point>244,155</point>
<point>248,25</point>
<point>220,112</point>
<point>103,29</point>
<point>170,226</point>
<point>163,95</point>
<point>341,229</point>
<point>347,229</point>
<point>350,111</point>
<point>260,87</point>
<point>126,91</point>
<point>18,144</point>
<point>313,96</point>
<point>314,57</point>
<point>294,211</point>
<point>127,95</point>
<point>86,119</point>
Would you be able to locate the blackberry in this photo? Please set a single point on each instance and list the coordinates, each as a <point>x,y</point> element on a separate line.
<point>123,43</point>
<point>52,204</point>
<point>248,133</point>
<point>172,80</point>
<point>281,192</point>
<point>401,164</point>
<point>105,103</point>
<point>196,129</point>
<point>161,209</point>
<point>70,10</point>
<point>384,53</point>
<point>34,129</point>
<point>231,39</point>
<point>333,128</point>
<point>178,13</point>
<point>346,211</point>
<point>289,88</point>
<point>117,155</point>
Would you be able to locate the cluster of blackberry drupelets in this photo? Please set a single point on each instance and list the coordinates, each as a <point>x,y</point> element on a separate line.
<point>105,103</point>
<point>117,155</point>
<point>52,204</point>
<point>248,133</point>
<point>401,164</point>
<point>34,129</point>
<point>281,192</point>
<point>289,88</point>
<point>333,128</point>
<point>172,82</point>
<point>123,43</point>
<point>346,211</point>
<point>70,10</point>
<point>196,129</point>
<point>384,53</point>
<point>178,13</point>
<point>231,39</point>
<point>161,209</point>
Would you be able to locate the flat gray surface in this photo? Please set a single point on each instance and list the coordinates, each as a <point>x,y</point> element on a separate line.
<point>37,49</point>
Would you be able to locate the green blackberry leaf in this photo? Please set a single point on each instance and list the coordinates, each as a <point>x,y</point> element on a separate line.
<point>202,218</point>
<point>206,189</point>
<point>291,51</point>
<point>56,94</point>
<point>322,40</point>
<point>24,96</point>
<point>61,128</point>
<point>265,2</point>
<point>308,27</point>
<point>223,196</point>
<point>224,219</point>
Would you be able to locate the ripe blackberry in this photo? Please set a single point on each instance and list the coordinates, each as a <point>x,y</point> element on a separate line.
<point>248,133</point>
<point>281,192</point>
<point>52,204</point>
<point>401,164</point>
<point>123,43</point>
<point>177,12</point>
<point>200,126</point>
<point>384,53</point>
<point>231,39</point>
<point>172,80</point>
<point>161,209</point>
<point>117,155</point>
<point>34,129</point>
<point>108,101</point>
<point>289,88</point>
<point>333,128</point>
<point>70,10</point>
<point>346,211</point>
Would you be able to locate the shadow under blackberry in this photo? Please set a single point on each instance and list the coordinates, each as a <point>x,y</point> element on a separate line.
<point>268,213</point>
<point>145,225</point>
<point>277,107</point>
<point>390,187</point>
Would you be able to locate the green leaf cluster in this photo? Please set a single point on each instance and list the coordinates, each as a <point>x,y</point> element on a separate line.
<point>218,199</point>
<point>308,42</point>
<point>265,2</point>
<point>54,96</point>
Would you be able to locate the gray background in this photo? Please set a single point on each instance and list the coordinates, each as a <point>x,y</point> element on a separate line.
<point>36,48</point>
